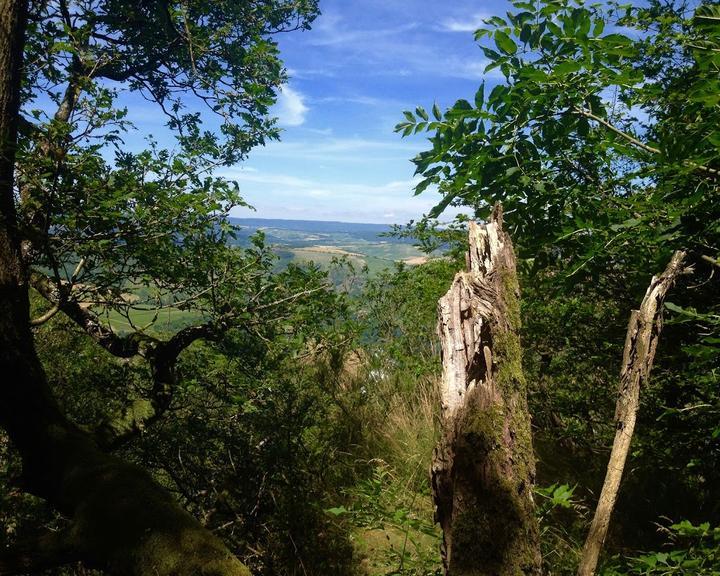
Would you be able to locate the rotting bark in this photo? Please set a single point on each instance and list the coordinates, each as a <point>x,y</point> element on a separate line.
<point>121,520</point>
<point>483,468</point>
<point>641,342</point>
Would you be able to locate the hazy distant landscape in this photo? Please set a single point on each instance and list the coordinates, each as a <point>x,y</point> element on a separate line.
<point>296,241</point>
<point>321,242</point>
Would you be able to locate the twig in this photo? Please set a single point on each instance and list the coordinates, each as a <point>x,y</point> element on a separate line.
<point>635,142</point>
<point>713,261</point>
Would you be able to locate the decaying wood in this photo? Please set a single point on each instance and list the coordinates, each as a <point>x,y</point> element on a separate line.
<point>483,467</point>
<point>640,345</point>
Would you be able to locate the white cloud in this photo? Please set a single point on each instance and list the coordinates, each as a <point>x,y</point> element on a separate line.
<point>285,196</point>
<point>276,195</point>
<point>332,29</point>
<point>305,73</point>
<point>291,109</point>
<point>353,150</point>
<point>316,188</point>
<point>469,24</point>
<point>358,99</point>
<point>471,70</point>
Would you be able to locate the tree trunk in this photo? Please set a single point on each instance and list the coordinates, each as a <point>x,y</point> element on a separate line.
<point>122,521</point>
<point>640,344</point>
<point>483,467</point>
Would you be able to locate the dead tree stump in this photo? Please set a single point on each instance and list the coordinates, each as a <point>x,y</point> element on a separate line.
<point>483,468</point>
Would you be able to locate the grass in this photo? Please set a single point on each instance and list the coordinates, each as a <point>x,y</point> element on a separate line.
<point>157,322</point>
<point>390,509</point>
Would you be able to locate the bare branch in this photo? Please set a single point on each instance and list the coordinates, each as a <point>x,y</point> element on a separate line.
<point>634,141</point>
<point>85,318</point>
<point>162,357</point>
<point>641,342</point>
<point>713,261</point>
<point>62,292</point>
<point>47,316</point>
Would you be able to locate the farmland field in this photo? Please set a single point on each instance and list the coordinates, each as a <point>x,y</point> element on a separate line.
<point>322,242</point>
<point>297,241</point>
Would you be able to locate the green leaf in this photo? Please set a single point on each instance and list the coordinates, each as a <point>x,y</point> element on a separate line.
<point>490,54</point>
<point>436,111</point>
<point>567,67</point>
<point>462,104</point>
<point>708,12</point>
<point>480,96</point>
<point>444,203</point>
<point>599,28</point>
<point>675,308</point>
<point>525,33</point>
<point>505,43</point>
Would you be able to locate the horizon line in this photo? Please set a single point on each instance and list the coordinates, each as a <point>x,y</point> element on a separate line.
<point>306,220</point>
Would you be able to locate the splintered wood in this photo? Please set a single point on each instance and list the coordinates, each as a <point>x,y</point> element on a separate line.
<point>483,468</point>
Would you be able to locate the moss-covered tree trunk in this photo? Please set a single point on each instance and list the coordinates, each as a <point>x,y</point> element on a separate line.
<point>483,467</point>
<point>121,520</point>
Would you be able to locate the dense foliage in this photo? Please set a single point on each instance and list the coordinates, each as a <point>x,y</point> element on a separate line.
<point>302,413</point>
<point>600,137</point>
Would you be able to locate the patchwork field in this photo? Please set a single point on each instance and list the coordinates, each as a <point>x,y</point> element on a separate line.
<point>295,241</point>
<point>322,242</point>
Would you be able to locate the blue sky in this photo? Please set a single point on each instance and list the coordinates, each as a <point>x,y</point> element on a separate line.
<point>351,77</point>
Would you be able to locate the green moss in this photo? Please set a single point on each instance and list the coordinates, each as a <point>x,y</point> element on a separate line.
<point>510,290</point>
<point>483,430</point>
<point>508,354</point>
<point>167,554</point>
<point>489,534</point>
<point>494,530</point>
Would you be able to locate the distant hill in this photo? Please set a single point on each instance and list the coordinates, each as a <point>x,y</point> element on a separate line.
<point>304,233</point>
<point>312,225</point>
<point>322,241</point>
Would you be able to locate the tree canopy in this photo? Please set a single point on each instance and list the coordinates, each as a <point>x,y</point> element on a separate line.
<point>600,134</point>
<point>97,228</point>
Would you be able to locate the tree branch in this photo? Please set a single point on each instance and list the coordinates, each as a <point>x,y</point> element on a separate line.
<point>162,357</point>
<point>640,344</point>
<point>85,318</point>
<point>711,260</point>
<point>62,292</point>
<point>635,142</point>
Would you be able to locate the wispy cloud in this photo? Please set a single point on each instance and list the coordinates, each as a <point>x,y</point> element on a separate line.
<point>291,109</point>
<point>357,69</point>
<point>281,195</point>
<point>471,70</point>
<point>320,188</point>
<point>285,196</point>
<point>355,150</point>
<point>358,99</point>
<point>309,73</point>
<point>394,53</point>
<point>331,29</point>
<point>469,24</point>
